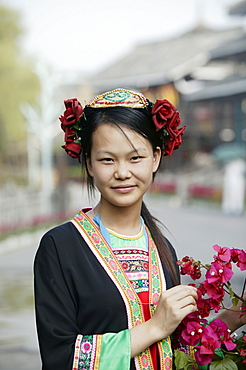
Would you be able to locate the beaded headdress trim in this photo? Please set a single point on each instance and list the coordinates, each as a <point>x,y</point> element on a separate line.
<point>119,97</point>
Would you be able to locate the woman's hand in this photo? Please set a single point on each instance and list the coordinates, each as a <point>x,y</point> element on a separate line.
<point>174,304</point>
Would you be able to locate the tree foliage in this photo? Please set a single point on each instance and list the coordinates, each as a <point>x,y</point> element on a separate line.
<point>18,83</point>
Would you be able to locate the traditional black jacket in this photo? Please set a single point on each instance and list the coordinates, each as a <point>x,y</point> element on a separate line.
<point>82,308</point>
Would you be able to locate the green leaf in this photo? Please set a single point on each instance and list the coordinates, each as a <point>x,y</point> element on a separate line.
<point>235,301</point>
<point>231,292</point>
<point>77,126</point>
<point>182,360</point>
<point>225,364</point>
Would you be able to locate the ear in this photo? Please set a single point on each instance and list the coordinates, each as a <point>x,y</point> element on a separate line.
<point>88,165</point>
<point>156,158</point>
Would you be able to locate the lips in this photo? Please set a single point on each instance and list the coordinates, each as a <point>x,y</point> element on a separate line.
<point>124,188</point>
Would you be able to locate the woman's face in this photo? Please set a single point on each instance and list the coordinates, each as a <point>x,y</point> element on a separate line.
<point>122,165</point>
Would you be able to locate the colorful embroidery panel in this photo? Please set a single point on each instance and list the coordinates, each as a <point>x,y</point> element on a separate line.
<point>136,266</point>
<point>108,260</point>
<point>132,254</point>
<point>87,352</point>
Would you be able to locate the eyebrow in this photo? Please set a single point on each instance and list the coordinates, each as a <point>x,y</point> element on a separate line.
<point>137,150</point>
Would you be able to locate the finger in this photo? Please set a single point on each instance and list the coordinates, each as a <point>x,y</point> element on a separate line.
<point>187,301</point>
<point>187,310</point>
<point>181,291</point>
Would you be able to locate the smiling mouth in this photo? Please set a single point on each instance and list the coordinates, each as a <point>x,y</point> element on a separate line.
<point>124,188</point>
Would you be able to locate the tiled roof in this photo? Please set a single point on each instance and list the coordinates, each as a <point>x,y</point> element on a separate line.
<point>163,61</point>
<point>238,9</point>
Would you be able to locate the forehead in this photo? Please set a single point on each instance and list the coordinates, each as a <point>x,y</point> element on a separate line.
<point>110,135</point>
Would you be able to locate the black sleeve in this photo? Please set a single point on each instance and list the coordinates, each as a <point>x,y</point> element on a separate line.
<point>75,299</point>
<point>55,309</point>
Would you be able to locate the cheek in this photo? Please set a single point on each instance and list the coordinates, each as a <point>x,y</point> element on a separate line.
<point>102,174</point>
<point>145,172</point>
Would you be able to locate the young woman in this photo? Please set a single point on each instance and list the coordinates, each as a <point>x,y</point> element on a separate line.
<point>107,289</point>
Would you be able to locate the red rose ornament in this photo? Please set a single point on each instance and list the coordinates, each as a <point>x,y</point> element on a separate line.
<point>71,116</point>
<point>167,118</point>
<point>72,113</point>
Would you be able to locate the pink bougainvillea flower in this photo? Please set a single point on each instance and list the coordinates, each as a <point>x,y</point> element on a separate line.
<point>224,253</point>
<point>215,304</point>
<point>195,330</point>
<point>242,260</point>
<point>214,290</point>
<point>223,333</point>
<point>242,352</point>
<point>201,290</point>
<point>203,307</point>
<point>188,266</point>
<point>196,273</point>
<point>243,312</point>
<point>228,341</point>
<point>235,254</point>
<point>192,333</point>
<point>192,317</point>
<point>218,326</point>
<point>205,352</point>
<point>218,272</point>
<point>201,358</point>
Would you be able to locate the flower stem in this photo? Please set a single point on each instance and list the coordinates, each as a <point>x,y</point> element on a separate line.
<point>244,286</point>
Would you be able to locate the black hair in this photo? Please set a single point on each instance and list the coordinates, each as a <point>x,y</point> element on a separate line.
<point>140,121</point>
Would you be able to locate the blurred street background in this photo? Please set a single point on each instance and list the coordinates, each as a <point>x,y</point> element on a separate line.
<point>191,52</point>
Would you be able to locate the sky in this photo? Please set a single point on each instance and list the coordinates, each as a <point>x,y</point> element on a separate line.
<point>88,35</point>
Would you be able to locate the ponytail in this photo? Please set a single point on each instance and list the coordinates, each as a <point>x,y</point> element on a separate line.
<point>161,244</point>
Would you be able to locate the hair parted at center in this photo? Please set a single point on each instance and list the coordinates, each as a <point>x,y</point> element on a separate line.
<point>158,123</point>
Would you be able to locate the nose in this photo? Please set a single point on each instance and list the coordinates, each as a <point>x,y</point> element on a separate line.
<point>122,171</point>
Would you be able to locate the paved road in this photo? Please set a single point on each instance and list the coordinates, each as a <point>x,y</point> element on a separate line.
<point>192,231</point>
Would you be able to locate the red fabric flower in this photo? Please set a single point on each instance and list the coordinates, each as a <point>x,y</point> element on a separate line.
<point>71,117</point>
<point>72,113</point>
<point>165,116</point>
<point>70,135</point>
<point>162,111</point>
<point>73,149</point>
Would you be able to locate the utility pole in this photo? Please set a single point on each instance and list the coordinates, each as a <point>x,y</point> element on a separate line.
<point>40,133</point>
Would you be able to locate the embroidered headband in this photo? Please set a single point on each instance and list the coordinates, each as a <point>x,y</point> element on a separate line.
<point>165,116</point>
